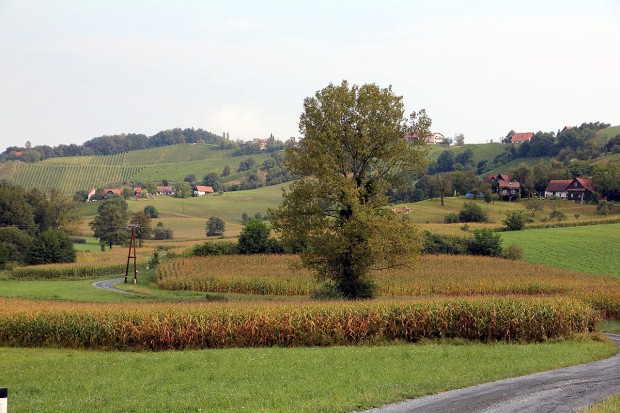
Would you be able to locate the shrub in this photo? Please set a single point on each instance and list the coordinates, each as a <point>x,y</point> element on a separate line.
<point>215,248</point>
<point>485,242</point>
<point>254,237</point>
<point>151,211</point>
<point>444,244</point>
<point>52,246</point>
<point>78,240</point>
<point>513,252</point>
<point>472,212</point>
<point>15,242</point>
<point>451,218</point>
<point>215,227</point>
<point>514,221</point>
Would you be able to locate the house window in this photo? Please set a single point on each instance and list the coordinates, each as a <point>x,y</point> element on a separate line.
<point>575,184</point>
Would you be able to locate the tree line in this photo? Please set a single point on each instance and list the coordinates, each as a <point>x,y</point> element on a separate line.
<point>113,144</point>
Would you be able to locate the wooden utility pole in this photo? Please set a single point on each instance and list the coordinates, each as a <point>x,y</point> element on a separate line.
<point>132,246</point>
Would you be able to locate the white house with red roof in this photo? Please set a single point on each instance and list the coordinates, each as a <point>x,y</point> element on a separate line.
<point>521,137</point>
<point>557,188</point>
<point>200,190</point>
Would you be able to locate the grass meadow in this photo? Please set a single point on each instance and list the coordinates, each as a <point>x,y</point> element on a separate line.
<point>330,379</point>
<point>589,249</point>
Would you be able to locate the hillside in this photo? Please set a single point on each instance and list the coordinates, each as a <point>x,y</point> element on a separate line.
<point>482,152</point>
<point>173,163</point>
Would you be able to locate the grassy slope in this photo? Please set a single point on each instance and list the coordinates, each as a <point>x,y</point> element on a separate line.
<point>335,379</point>
<point>591,249</point>
<point>173,163</point>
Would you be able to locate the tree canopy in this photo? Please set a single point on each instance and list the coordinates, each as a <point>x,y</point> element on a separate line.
<point>110,224</point>
<point>352,152</point>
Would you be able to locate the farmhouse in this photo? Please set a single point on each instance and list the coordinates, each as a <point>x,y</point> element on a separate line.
<point>200,190</point>
<point>111,193</point>
<point>91,195</point>
<point>580,189</point>
<point>262,143</point>
<point>505,187</point>
<point>557,187</point>
<point>521,137</point>
<point>434,138</point>
<point>165,190</point>
<point>137,192</point>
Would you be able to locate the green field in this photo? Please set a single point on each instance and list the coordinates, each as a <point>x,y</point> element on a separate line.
<point>332,379</point>
<point>590,249</point>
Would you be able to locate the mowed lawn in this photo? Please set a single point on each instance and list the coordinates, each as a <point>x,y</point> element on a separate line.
<point>332,379</point>
<point>593,249</point>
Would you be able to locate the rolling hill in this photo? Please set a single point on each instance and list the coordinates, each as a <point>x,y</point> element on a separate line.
<point>173,163</point>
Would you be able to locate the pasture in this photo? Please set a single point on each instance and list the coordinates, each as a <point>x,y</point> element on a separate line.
<point>588,249</point>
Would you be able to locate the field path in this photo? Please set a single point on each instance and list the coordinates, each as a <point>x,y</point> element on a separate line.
<point>108,285</point>
<point>570,389</point>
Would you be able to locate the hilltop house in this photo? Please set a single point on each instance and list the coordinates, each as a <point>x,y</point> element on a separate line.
<point>261,142</point>
<point>200,190</point>
<point>521,137</point>
<point>505,187</point>
<point>434,138</point>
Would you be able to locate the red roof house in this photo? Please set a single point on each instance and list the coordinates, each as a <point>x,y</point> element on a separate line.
<point>200,190</point>
<point>557,187</point>
<point>580,189</point>
<point>520,137</point>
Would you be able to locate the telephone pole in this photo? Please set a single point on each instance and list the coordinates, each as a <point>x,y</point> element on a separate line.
<point>132,247</point>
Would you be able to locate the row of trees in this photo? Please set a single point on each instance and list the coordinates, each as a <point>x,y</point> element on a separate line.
<point>112,144</point>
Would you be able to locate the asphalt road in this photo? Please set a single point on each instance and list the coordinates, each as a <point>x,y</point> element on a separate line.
<point>569,389</point>
<point>109,285</point>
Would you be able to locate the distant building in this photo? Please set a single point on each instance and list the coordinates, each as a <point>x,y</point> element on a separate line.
<point>165,190</point>
<point>111,193</point>
<point>434,138</point>
<point>521,137</point>
<point>262,143</point>
<point>557,187</point>
<point>200,190</point>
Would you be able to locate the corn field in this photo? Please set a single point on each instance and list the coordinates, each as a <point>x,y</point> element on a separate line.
<point>196,326</point>
<point>88,265</point>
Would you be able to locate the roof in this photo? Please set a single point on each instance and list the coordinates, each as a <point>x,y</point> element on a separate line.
<point>137,189</point>
<point>113,191</point>
<point>522,136</point>
<point>558,185</point>
<point>583,185</point>
<point>201,188</point>
<point>500,177</point>
<point>165,189</point>
<point>509,184</point>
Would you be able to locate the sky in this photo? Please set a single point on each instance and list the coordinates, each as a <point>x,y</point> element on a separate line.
<point>71,70</point>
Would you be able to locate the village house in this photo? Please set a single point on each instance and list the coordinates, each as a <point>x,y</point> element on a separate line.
<point>434,138</point>
<point>521,137</point>
<point>505,187</point>
<point>200,190</point>
<point>165,190</point>
<point>91,195</point>
<point>137,192</point>
<point>111,193</point>
<point>579,189</point>
<point>557,188</point>
<point>262,143</point>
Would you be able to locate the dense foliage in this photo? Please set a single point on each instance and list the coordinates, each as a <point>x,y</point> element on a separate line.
<point>351,154</point>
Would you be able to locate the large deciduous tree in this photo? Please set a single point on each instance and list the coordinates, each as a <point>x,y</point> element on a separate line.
<point>110,224</point>
<point>352,152</point>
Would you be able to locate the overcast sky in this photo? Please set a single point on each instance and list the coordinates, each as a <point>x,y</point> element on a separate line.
<point>73,70</point>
